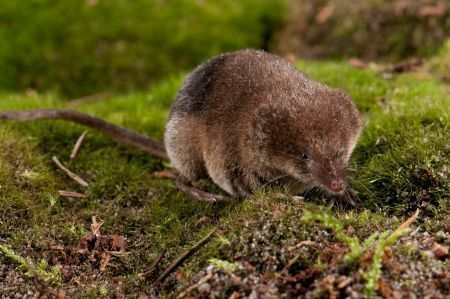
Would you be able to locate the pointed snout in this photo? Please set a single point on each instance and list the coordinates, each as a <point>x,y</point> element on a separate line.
<point>336,185</point>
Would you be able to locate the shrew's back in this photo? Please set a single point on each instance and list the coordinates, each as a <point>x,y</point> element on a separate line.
<point>238,82</point>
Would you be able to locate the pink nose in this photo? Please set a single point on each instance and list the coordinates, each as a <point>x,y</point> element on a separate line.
<point>337,185</point>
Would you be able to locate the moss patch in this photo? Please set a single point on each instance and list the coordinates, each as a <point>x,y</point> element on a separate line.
<point>400,164</point>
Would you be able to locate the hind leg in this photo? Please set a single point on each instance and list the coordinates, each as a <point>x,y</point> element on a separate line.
<point>183,149</point>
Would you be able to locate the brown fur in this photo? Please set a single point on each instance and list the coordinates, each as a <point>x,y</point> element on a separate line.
<point>248,118</point>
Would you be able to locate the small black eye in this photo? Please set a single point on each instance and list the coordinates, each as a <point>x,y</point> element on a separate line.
<point>304,156</point>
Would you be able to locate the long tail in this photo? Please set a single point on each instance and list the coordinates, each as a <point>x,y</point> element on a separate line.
<point>119,133</point>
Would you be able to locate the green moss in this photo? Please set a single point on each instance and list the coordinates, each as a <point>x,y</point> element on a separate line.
<point>51,276</point>
<point>353,243</point>
<point>400,163</point>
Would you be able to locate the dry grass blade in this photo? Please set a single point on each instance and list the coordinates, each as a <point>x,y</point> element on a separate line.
<point>77,147</point>
<point>104,262</point>
<point>95,226</point>
<point>165,174</point>
<point>408,222</point>
<point>72,175</point>
<point>88,99</point>
<point>116,253</point>
<point>152,267</point>
<point>302,243</point>
<point>175,264</point>
<point>71,194</point>
<point>344,282</point>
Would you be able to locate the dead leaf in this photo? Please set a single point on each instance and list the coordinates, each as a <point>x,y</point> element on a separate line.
<point>86,243</point>
<point>332,254</point>
<point>385,289</point>
<point>407,66</point>
<point>118,242</point>
<point>324,14</point>
<point>387,255</point>
<point>165,174</point>
<point>357,63</point>
<point>61,294</point>
<point>439,251</point>
<point>104,261</point>
<point>344,281</point>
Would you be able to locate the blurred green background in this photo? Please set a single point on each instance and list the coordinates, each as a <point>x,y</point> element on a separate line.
<point>80,47</point>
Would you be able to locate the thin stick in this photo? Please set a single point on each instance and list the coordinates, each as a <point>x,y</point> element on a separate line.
<point>168,174</point>
<point>77,147</point>
<point>119,133</point>
<point>175,264</point>
<point>71,194</point>
<point>95,226</point>
<point>88,99</point>
<point>72,175</point>
<point>408,222</point>
<point>153,266</point>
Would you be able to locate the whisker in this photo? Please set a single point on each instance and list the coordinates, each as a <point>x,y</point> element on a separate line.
<point>272,180</point>
<point>287,154</point>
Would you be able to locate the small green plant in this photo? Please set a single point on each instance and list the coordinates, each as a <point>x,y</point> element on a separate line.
<point>52,200</point>
<point>26,265</point>
<point>356,249</point>
<point>222,240</point>
<point>354,246</point>
<point>102,291</point>
<point>224,265</point>
<point>386,239</point>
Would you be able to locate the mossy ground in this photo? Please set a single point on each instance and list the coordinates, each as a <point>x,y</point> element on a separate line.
<point>400,164</point>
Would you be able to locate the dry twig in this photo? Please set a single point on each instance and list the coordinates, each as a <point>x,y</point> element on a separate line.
<point>71,194</point>
<point>168,174</point>
<point>408,222</point>
<point>70,173</point>
<point>302,243</point>
<point>152,267</point>
<point>175,264</point>
<point>88,99</point>
<point>77,147</point>
<point>95,226</point>
<point>119,133</point>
